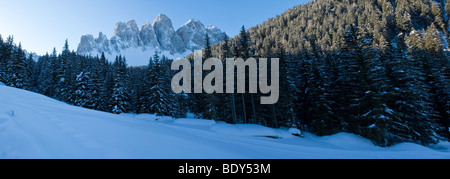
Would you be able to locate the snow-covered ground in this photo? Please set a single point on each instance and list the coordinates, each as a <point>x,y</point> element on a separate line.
<point>34,126</point>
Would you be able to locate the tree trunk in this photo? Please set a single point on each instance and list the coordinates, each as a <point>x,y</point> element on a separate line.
<point>233,107</point>
<point>254,109</point>
<point>243,106</point>
<point>274,116</point>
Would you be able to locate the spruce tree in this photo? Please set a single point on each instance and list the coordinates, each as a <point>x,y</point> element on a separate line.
<point>284,109</point>
<point>120,100</point>
<point>17,68</point>
<point>63,90</point>
<point>423,124</point>
<point>150,80</point>
<point>226,53</point>
<point>162,98</point>
<point>83,90</point>
<point>319,112</point>
<point>244,52</point>
<point>100,83</point>
<point>30,76</point>
<point>395,92</point>
<point>210,101</point>
<point>2,60</point>
<point>8,54</point>
<point>366,107</point>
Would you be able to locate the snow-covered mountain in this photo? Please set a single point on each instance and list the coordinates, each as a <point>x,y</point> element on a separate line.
<point>138,45</point>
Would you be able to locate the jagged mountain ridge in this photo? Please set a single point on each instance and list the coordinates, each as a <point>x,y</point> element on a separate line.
<point>138,44</point>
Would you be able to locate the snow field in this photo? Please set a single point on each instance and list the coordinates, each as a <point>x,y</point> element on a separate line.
<point>35,126</point>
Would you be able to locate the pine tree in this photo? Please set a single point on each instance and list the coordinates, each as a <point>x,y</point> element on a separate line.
<point>17,68</point>
<point>150,80</point>
<point>210,101</point>
<point>447,9</point>
<point>8,54</point>
<point>120,99</point>
<point>226,53</point>
<point>433,66</point>
<point>432,40</point>
<point>244,52</point>
<point>404,21</point>
<point>83,90</point>
<point>334,91</point>
<point>423,120</point>
<point>366,107</point>
<point>47,76</point>
<point>2,60</point>
<point>162,98</point>
<point>63,90</point>
<point>284,109</point>
<point>200,104</point>
<point>30,76</point>
<point>100,83</point>
<point>395,92</point>
<point>319,112</point>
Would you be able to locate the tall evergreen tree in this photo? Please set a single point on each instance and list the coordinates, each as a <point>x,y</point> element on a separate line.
<point>17,68</point>
<point>210,101</point>
<point>7,54</point>
<point>226,53</point>
<point>84,91</point>
<point>63,80</point>
<point>162,98</point>
<point>423,122</point>
<point>319,112</point>
<point>120,99</point>
<point>30,76</point>
<point>245,52</point>
<point>284,109</point>
<point>100,83</point>
<point>2,60</point>
<point>363,82</point>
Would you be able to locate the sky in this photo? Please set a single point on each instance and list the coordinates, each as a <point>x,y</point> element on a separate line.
<point>41,25</point>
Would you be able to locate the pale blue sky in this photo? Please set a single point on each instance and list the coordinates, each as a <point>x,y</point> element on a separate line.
<point>43,24</point>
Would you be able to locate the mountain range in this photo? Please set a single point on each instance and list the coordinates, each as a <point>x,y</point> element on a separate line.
<point>139,44</point>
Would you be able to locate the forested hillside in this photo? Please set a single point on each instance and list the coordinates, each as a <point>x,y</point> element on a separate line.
<point>380,22</point>
<point>378,68</point>
<point>93,82</point>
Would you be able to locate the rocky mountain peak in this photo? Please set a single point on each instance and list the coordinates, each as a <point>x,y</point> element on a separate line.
<point>157,36</point>
<point>194,24</point>
<point>162,19</point>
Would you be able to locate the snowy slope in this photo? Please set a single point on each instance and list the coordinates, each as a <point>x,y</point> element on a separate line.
<point>34,126</point>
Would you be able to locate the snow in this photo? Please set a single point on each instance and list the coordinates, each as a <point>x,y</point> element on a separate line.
<point>294,131</point>
<point>140,56</point>
<point>388,110</point>
<point>35,126</point>
<point>444,41</point>
<point>139,45</point>
<point>196,122</point>
<point>248,130</point>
